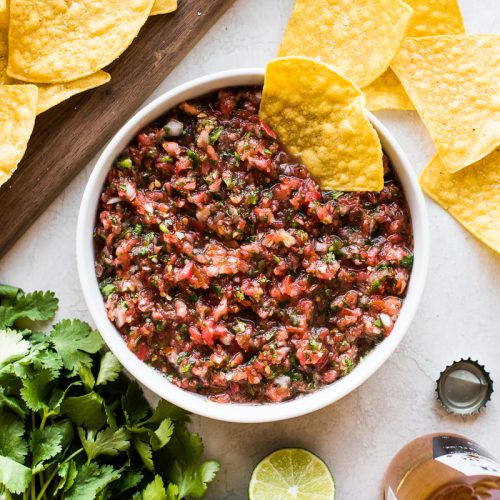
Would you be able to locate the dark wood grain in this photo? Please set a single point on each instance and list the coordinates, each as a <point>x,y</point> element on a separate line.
<point>67,137</point>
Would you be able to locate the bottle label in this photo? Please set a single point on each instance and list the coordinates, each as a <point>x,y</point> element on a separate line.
<point>464,456</point>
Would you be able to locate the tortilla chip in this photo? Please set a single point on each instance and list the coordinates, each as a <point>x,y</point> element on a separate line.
<point>454,83</point>
<point>319,116</point>
<point>358,38</point>
<point>163,7</point>
<point>472,195</point>
<point>54,41</point>
<point>3,40</point>
<point>435,17</point>
<point>17,117</point>
<point>386,92</point>
<point>49,95</point>
<point>430,17</point>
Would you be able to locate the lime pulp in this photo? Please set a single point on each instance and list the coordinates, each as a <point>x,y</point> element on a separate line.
<point>291,474</point>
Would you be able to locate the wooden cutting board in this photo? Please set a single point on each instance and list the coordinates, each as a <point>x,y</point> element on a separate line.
<point>67,137</point>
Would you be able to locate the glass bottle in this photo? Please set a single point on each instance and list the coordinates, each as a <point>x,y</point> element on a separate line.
<point>442,466</point>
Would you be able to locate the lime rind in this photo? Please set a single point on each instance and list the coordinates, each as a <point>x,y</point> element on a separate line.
<point>291,474</point>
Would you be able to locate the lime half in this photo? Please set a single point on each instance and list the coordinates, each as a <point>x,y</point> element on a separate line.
<point>291,474</point>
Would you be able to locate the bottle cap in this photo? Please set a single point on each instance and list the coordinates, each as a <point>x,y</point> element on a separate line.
<point>464,387</point>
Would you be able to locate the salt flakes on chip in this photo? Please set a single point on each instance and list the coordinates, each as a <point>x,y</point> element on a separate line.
<point>163,7</point>
<point>17,117</point>
<point>472,195</point>
<point>430,17</point>
<point>358,38</point>
<point>454,84</point>
<point>319,116</point>
<point>54,41</point>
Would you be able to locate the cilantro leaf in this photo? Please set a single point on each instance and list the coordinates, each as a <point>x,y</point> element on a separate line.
<point>162,435</point>
<point>145,452</point>
<point>12,403</point>
<point>48,442</point>
<point>127,482</point>
<point>36,391</point>
<point>173,492</point>
<point>85,410</point>
<point>67,472</point>
<point>193,481</point>
<point>87,377</point>
<point>37,306</point>
<point>187,446</point>
<point>164,410</point>
<point>12,346</point>
<point>155,490</point>
<point>134,404</point>
<point>58,395</point>
<point>109,370</point>
<point>12,444</point>
<point>90,480</point>
<point>106,442</point>
<point>9,292</point>
<point>73,340</point>
<point>109,409</point>
<point>49,360</point>
<point>14,476</point>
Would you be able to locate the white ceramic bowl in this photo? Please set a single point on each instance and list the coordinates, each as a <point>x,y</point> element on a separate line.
<point>234,412</point>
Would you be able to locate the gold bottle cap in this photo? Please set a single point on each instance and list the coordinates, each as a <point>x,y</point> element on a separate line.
<point>464,387</point>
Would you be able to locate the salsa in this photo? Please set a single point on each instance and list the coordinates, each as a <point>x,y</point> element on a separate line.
<point>224,265</point>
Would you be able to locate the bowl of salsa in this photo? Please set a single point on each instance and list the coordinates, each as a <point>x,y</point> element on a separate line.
<point>221,275</point>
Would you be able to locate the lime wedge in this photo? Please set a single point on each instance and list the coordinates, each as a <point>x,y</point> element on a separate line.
<point>291,474</point>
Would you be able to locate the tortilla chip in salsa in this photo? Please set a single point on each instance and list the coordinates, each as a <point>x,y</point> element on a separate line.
<point>319,116</point>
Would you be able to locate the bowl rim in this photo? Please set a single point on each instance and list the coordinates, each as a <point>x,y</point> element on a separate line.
<point>158,383</point>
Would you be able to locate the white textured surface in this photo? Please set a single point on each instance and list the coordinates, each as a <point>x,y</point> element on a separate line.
<point>458,317</point>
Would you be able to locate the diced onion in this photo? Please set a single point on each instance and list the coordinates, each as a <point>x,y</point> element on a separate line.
<point>386,320</point>
<point>287,238</point>
<point>174,128</point>
<point>283,381</point>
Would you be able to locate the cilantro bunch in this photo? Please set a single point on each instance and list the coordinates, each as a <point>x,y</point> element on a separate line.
<point>73,426</point>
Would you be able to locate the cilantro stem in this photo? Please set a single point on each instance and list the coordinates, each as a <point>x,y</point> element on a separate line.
<point>44,419</point>
<point>53,474</point>
<point>46,485</point>
<point>42,483</point>
<point>73,455</point>
<point>33,479</point>
<point>8,496</point>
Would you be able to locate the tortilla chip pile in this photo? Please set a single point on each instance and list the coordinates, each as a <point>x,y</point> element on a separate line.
<point>412,55</point>
<point>51,50</point>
